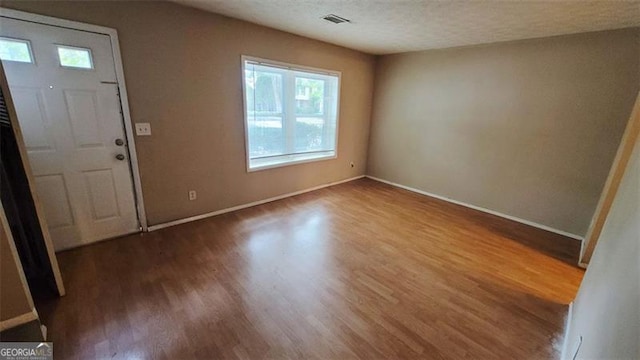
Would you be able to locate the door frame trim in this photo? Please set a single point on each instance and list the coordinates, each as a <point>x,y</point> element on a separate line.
<point>124,99</point>
<point>614,179</point>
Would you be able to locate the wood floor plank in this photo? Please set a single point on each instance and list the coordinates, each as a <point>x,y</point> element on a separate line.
<point>360,270</point>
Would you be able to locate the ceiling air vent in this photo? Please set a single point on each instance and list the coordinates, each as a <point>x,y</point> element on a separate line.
<point>336,19</point>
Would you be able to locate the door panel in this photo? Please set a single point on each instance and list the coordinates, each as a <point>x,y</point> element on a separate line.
<point>55,200</point>
<point>102,194</point>
<point>83,113</point>
<point>71,119</point>
<point>29,102</point>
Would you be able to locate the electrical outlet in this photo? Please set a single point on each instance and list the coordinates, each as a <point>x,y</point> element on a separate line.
<point>143,129</point>
<point>192,195</point>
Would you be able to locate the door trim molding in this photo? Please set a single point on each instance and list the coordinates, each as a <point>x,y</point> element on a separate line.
<point>614,179</point>
<point>46,236</point>
<point>124,99</point>
<point>19,320</point>
<point>567,331</point>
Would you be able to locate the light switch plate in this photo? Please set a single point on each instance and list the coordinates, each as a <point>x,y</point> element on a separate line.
<point>143,129</point>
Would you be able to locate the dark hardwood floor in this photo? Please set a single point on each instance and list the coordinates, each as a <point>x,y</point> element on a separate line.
<point>358,270</point>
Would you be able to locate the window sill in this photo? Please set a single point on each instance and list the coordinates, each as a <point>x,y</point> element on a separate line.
<point>286,160</point>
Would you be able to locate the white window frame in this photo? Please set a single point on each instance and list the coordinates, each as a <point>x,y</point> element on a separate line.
<point>292,159</point>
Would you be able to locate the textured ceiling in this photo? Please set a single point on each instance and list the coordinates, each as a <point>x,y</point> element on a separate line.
<point>384,27</point>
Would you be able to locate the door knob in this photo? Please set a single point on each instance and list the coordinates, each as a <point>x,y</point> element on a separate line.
<point>120,157</point>
<point>119,142</point>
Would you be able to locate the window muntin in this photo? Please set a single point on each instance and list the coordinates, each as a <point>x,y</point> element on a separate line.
<point>75,57</point>
<point>15,50</point>
<point>291,114</point>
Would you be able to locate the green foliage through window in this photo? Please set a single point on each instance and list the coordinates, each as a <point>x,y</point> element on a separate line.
<point>309,96</point>
<point>15,50</point>
<point>75,57</point>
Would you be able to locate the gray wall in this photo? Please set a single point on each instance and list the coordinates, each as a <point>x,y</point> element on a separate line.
<point>183,73</point>
<point>606,312</point>
<point>527,128</point>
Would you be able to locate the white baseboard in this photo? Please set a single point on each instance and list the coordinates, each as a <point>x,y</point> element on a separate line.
<point>567,328</point>
<point>19,320</point>
<point>244,206</point>
<point>509,217</point>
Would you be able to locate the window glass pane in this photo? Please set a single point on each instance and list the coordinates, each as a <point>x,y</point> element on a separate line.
<point>267,90</point>
<point>264,101</point>
<point>309,96</point>
<point>291,114</point>
<point>75,57</point>
<point>266,136</point>
<point>15,50</point>
<point>310,104</point>
<point>309,131</point>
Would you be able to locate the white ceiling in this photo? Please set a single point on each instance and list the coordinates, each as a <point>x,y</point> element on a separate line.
<point>388,26</point>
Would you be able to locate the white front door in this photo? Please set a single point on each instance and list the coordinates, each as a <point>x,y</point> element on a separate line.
<point>63,84</point>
